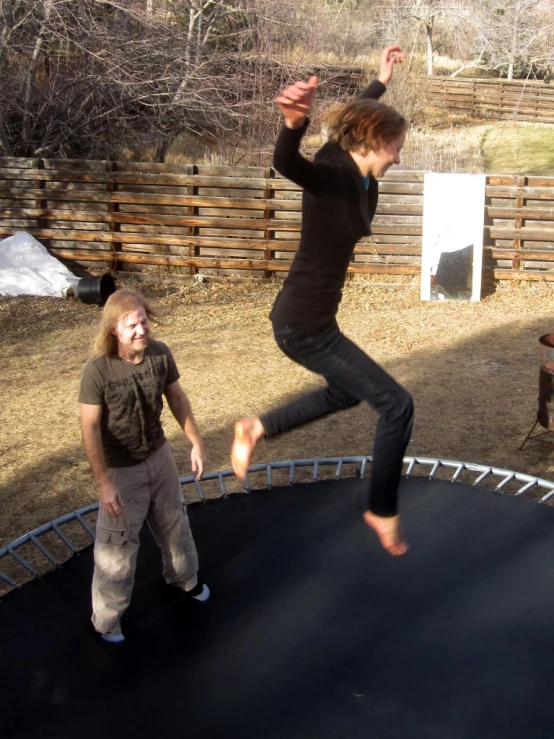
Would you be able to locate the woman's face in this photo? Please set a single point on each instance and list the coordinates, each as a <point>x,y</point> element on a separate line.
<point>379,160</point>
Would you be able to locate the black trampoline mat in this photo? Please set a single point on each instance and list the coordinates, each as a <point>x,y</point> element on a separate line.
<point>312,630</point>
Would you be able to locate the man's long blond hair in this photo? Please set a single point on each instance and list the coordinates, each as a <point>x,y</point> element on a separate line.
<point>118,305</point>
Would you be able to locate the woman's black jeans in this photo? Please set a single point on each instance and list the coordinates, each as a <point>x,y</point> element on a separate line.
<point>351,377</point>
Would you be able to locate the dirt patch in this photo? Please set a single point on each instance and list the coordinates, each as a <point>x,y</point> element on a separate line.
<point>472,369</point>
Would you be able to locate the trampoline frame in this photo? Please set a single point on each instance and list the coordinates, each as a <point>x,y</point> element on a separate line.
<point>414,465</point>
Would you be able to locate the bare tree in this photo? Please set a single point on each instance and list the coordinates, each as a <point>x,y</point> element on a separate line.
<point>518,33</point>
<point>453,21</point>
<point>80,77</point>
<point>87,78</point>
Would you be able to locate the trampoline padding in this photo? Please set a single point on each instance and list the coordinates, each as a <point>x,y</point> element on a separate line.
<point>312,630</point>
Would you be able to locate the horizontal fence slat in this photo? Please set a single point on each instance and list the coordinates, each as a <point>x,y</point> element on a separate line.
<point>199,201</point>
<point>520,233</point>
<point>526,275</point>
<point>524,254</point>
<point>538,214</point>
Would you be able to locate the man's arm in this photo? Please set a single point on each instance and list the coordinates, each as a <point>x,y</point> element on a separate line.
<point>91,435</point>
<point>181,408</point>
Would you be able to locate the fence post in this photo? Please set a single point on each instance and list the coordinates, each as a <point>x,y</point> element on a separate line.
<point>113,209</point>
<point>41,204</point>
<point>192,169</point>
<point>269,234</point>
<point>518,221</point>
<point>503,113</point>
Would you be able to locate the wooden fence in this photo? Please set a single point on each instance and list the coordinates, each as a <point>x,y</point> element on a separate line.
<point>519,100</point>
<point>237,221</point>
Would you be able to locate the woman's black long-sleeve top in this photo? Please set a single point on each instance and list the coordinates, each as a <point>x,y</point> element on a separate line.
<point>337,211</point>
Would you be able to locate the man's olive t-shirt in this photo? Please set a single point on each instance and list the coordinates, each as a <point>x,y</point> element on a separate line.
<point>131,396</point>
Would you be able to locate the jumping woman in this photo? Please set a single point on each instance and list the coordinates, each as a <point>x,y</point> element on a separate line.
<point>339,200</point>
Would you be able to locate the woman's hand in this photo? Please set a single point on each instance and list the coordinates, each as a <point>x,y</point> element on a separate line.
<point>390,56</point>
<point>295,102</point>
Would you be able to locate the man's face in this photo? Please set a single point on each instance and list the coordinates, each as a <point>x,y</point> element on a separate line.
<point>132,334</point>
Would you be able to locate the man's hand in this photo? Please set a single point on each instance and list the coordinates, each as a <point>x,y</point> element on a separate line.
<point>295,102</point>
<point>390,56</point>
<point>198,460</point>
<point>110,500</point>
<point>181,409</point>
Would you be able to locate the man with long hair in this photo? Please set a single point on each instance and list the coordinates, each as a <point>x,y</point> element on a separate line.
<point>339,200</point>
<point>121,400</point>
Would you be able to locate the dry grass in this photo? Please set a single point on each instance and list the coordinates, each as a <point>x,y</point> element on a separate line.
<point>443,142</point>
<point>519,148</point>
<point>450,146</point>
<point>472,369</point>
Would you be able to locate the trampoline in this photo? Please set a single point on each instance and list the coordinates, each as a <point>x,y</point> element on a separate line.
<point>312,631</point>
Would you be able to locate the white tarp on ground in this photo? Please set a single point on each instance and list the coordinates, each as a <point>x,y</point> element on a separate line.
<point>26,268</point>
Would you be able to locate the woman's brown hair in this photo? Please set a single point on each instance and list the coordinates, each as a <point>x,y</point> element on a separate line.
<point>365,124</point>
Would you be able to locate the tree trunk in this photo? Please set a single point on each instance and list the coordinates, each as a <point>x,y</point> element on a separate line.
<point>33,67</point>
<point>162,148</point>
<point>429,32</point>
<point>513,49</point>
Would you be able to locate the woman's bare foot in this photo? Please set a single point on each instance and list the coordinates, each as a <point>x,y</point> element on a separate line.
<point>389,532</point>
<point>248,432</point>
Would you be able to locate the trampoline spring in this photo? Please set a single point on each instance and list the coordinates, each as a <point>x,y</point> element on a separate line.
<point>435,469</point>
<point>199,490</point>
<point>504,482</point>
<point>338,473</point>
<point>44,550</point>
<point>458,472</point>
<point>547,496</point>
<point>23,563</point>
<point>291,474</point>
<point>85,525</point>
<point>69,544</point>
<point>482,477</point>
<point>8,579</point>
<point>525,488</point>
<point>222,486</point>
<point>316,471</point>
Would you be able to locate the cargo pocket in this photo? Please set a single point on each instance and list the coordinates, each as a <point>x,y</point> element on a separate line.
<point>111,536</point>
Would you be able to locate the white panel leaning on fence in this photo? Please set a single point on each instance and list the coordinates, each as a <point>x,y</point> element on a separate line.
<point>452,242</point>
